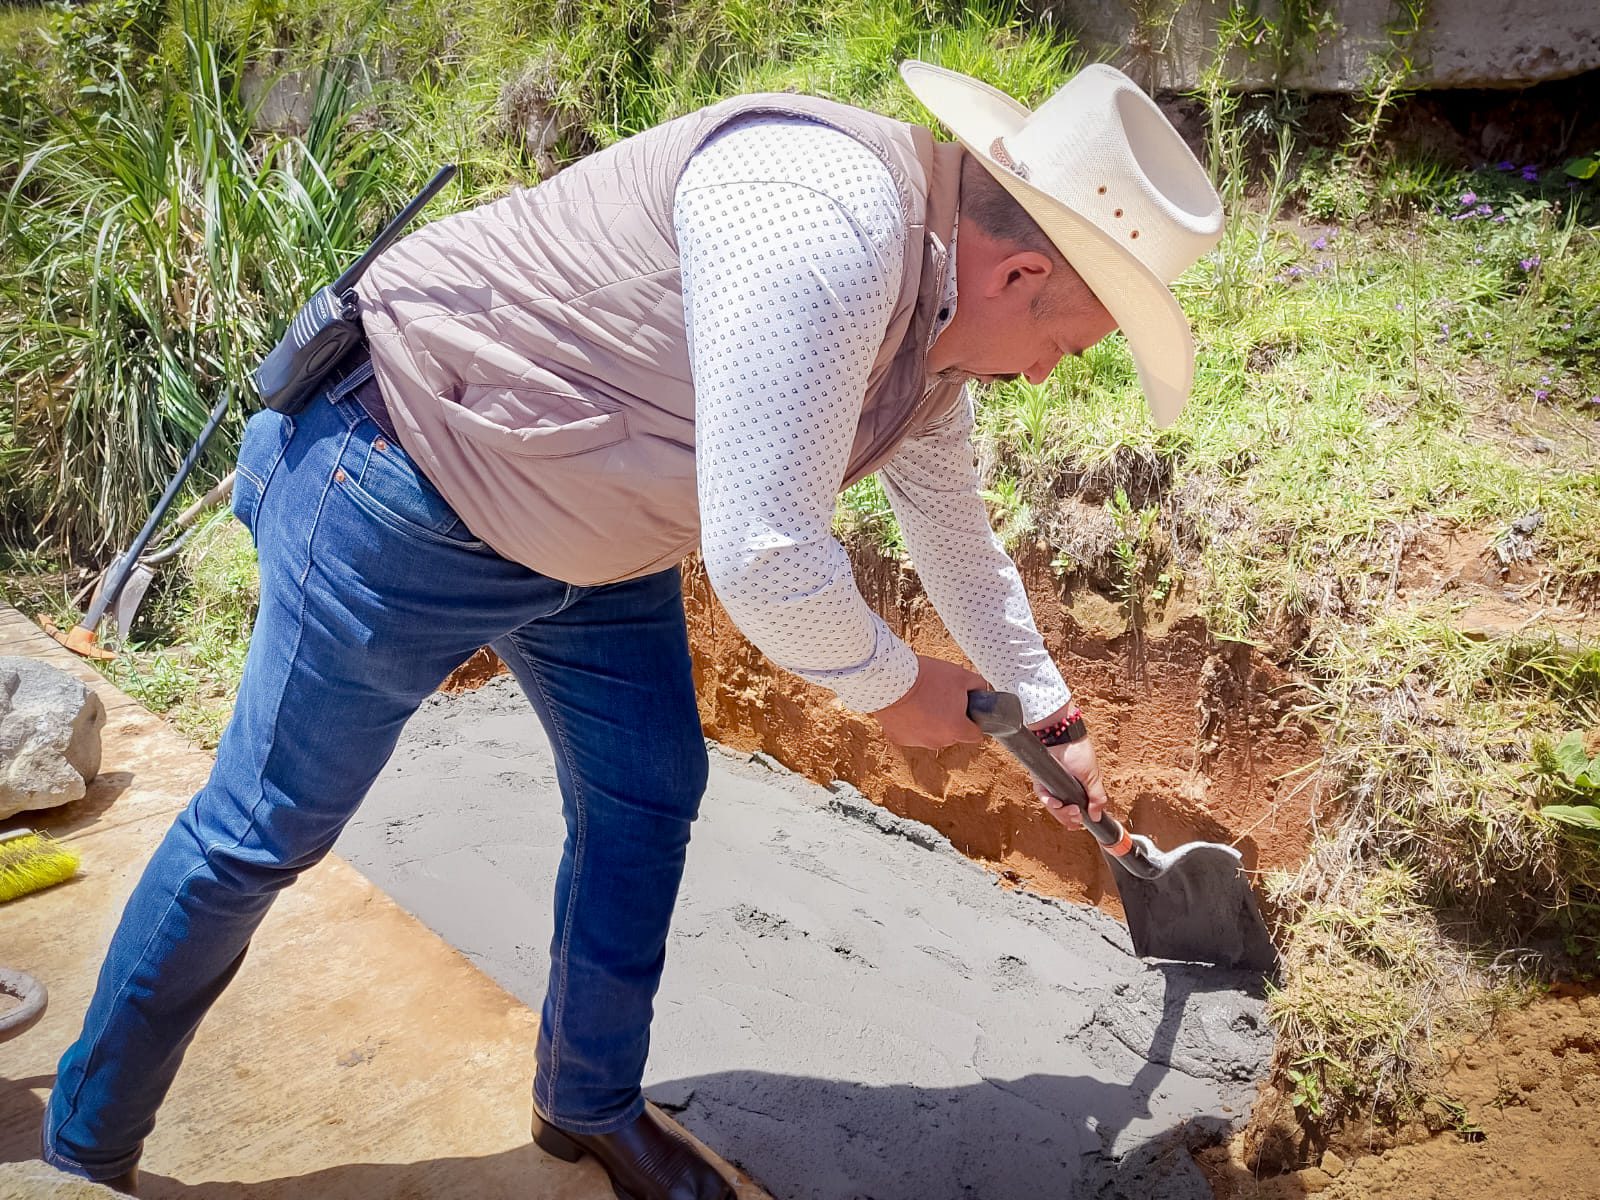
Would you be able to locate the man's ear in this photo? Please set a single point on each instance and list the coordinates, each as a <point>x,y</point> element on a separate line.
<point>1021,276</point>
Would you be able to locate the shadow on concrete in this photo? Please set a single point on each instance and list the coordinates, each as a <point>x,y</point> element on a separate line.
<point>21,1110</point>
<point>103,791</point>
<point>1047,1135</point>
<point>804,1138</point>
<point>491,1177</point>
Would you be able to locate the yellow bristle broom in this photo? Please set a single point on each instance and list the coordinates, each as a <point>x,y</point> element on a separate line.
<point>30,861</point>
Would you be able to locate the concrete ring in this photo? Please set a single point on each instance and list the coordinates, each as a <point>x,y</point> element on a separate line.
<point>32,997</point>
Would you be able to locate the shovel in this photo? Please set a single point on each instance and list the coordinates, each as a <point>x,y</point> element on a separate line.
<point>1192,904</point>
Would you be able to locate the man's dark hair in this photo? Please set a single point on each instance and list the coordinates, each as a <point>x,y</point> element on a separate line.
<point>986,203</point>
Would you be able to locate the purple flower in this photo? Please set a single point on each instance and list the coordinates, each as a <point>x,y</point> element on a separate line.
<point>1545,379</point>
<point>1399,306</point>
<point>1468,198</point>
<point>1541,395</point>
<point>1320,244</point>
<point>1500,220</point>
<point>1528,264</point>
<point>1594,399</point>
<point>1530,174</point>
<point>1483,210</point>
<point>1508,165</point>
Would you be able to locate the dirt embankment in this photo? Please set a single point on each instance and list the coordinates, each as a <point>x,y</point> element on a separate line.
<point>1514,1114</point>
<point>1197,739</point>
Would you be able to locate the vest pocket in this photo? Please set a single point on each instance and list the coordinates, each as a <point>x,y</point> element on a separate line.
<point>534,422</point>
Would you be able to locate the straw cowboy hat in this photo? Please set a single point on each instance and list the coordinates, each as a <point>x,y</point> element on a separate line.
<point>1110,182</point>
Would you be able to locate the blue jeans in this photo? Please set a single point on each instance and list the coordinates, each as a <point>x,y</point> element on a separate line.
<point>372,591</point>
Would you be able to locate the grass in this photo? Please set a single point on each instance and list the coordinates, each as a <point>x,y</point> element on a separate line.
<point>1384,362</point>
<point>186,655</point>
<point>155,247</point>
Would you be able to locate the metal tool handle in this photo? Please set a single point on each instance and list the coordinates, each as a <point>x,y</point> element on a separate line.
<point>351,274</point>
<point>122,567</point>
<point>999,714</point>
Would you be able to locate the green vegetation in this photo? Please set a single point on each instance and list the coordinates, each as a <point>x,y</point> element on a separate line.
<point>191,648</point>
<point>1394,352</point>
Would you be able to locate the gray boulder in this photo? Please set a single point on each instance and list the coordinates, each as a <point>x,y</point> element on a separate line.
<point>49,736</point>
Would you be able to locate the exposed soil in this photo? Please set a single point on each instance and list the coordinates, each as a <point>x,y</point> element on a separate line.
<point>1515,1114</point>
<point>1498,588</point>
<point>1197,740</point>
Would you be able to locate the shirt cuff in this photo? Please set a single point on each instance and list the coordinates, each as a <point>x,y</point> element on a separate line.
<point>1043,692</point>
<point>876,683</point>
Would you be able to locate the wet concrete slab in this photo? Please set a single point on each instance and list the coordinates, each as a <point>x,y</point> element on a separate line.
<point>850,1008</point>
<point>356,1056</point>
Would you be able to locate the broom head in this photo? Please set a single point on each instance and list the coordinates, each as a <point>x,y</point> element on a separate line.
<point>30,861</point>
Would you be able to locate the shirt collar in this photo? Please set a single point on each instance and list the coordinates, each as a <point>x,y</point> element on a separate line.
<point>947,291</point>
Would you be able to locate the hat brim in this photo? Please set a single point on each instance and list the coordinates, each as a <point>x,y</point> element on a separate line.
<point>1142,305</point>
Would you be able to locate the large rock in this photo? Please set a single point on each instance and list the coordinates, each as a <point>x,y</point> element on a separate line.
<point>49,736</point>
<point>1463,44</point>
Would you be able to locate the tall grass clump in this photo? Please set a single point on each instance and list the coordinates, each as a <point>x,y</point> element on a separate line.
<point>156,249</point>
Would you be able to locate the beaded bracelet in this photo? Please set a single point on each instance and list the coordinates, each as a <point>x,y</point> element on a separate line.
<point>1071,728</point>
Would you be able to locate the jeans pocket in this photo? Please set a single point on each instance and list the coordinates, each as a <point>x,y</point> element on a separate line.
<point>381,480</point>
<point>259,452</point>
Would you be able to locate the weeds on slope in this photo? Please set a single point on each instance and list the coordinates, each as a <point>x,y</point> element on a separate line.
<point>189,653</point>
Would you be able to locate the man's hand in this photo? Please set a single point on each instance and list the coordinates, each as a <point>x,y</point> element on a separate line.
<point>1079,760</point>
<point>934,712</point>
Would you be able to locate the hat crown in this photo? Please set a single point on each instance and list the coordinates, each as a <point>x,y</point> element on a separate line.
<point>1103,148</point>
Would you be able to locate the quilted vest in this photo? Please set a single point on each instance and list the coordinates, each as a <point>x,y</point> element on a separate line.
<point>533,355</point>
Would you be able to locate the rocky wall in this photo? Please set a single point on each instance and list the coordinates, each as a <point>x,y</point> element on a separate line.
<point>1321,47</point>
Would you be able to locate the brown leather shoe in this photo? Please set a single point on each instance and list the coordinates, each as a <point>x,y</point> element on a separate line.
<point>648,1160</point>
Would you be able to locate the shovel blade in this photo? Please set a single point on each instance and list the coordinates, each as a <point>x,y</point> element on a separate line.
<point>1199,909</point>
<point>131,596</point>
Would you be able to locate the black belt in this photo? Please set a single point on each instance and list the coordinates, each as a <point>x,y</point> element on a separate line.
<point>367,393</point>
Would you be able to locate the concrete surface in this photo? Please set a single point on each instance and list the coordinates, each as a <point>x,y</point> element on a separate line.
<point>850,1009</point>
<point>355,1057</point>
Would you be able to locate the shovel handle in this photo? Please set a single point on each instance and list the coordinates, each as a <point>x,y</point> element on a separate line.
<point>999,714</point>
